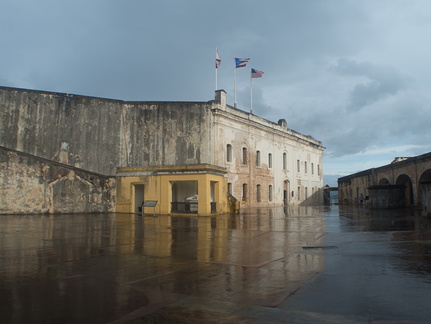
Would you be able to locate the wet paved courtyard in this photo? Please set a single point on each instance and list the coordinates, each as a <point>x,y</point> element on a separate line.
<point>278,265</point>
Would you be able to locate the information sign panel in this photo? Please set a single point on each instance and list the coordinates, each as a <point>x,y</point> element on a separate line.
<point>150,203</point>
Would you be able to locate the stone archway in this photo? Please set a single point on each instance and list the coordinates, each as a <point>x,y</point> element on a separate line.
<point>404,180</point>
<point>383,181</point>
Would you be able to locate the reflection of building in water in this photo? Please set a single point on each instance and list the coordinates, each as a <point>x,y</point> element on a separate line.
<point>254,239</point>
<point>31,242</point>
<point>244,255</point>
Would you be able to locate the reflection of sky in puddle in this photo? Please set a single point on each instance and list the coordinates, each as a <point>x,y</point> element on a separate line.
<point>359,219</point>
<point>258,257</point>
<point>409,234</point>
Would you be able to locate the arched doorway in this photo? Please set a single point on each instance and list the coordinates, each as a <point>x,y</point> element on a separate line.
<point>404,180</point>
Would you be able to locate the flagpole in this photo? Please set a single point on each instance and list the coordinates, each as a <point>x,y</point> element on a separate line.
<point>251,94</point>
<point>216,70</point>
<point>234,87</point>
<point>216,86</point>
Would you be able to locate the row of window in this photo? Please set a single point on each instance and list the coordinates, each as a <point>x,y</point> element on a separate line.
<point>270,194</point>
<point>258,192</point>
<point>258,161</point>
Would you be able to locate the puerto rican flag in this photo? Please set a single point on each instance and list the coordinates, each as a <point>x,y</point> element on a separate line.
<point>241,62</point>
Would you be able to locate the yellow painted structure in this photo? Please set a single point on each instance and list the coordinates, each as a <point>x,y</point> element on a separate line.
<point>135,185</point>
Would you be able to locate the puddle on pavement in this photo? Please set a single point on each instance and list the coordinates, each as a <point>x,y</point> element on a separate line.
<point>99,268</point>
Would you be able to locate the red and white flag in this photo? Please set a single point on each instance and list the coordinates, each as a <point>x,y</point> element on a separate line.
<point>218,60</point>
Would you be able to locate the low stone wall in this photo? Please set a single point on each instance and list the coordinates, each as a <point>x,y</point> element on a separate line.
<point>387,196</point>
<point>32,185</point>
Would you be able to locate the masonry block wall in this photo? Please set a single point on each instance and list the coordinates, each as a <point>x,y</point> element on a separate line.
<point>32,185</point>
<point>100,135</point>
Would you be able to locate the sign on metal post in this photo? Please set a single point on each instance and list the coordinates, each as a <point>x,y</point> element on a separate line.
<point>149,203</point>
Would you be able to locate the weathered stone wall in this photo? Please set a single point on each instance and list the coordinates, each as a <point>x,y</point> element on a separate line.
<point>407,173</point>
<point>387,196</point>
<point>265,181</point>
<point>100,135</point>
<point>78,131</point>
<point>29,184</point>
<point>166,134</point>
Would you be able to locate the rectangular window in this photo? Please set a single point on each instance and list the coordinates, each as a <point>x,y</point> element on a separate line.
<point>257,158</point>
<point>298,167</point>
<point>244,155</point>
<point>244,192</point>
<point>305,167</point>
<point>284,161</point>
<point>229,188</point>
<point>312,168</point>
<point>258,193</point>
<point>229,153</point>
<point>270,192</point>
<point>270,160</point>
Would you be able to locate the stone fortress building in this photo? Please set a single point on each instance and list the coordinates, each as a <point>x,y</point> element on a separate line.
<point>406,182</point>
<point>63,153</point>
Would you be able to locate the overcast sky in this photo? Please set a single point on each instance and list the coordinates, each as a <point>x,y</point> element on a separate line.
<point>353,74</point>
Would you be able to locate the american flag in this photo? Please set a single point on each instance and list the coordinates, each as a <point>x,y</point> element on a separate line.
<point>256,73</point>
<point>241,62</point>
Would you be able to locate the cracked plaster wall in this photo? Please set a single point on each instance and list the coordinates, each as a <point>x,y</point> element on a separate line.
<point>30,185</point>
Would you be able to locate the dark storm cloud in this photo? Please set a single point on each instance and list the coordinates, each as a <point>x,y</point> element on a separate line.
<point>349,73</point>
<point>379,82</point>
<point>164,50</point>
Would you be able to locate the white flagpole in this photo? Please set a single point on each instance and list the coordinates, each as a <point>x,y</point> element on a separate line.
<point>216,86</point>
<point>234,87</point>
<point>251,94</point>
<point>216,67</point>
